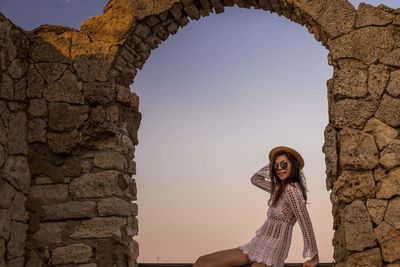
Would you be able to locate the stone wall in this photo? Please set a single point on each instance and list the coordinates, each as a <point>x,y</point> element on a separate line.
<point>14,168</point>
<point>70,122</point>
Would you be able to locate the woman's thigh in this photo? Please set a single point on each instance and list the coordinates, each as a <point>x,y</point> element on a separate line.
<point>224,258</point>
<point>257,264</point>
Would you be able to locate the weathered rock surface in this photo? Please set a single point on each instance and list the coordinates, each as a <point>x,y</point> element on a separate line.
<point>352,184</point>
<point>388,110</point>
<point>391,249</point>
<point>390,185</point>
<point>75,253</point>
<point>367,258</point>
<point>377,209</point>
<point>350,83</point>
<point>382,132</point>
<point>390,156</point>
<point>98,228</point>
<point>116,207</point>
<point>385,231</point>
<point>357,150</point>
<point>366,44</point>
<point>101,184</point>
<point>392,215</point>
<point>16,172</point>
<point>70,210</point>
<point>353,112</point>
<point>377,80</point>
<point>369,15</point>
<point>358,227</point>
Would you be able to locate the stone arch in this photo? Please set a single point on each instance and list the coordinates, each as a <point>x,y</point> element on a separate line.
<point>71,128</point>
<point>153,26</point>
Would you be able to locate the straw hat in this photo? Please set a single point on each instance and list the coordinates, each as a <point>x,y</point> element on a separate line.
<point>289,150</point>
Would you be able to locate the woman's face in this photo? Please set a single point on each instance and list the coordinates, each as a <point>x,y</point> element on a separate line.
<point>283,173</point>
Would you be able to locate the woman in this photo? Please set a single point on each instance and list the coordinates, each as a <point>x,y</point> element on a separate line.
<point>270,246</point>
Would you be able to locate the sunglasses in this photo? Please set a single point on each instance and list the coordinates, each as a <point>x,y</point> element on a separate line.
<point>283,163</point>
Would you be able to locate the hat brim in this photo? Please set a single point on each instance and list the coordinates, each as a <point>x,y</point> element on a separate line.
<point>292,151</point>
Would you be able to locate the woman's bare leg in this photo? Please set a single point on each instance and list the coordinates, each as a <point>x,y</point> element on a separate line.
<point>257,264</point>
<point>223,258</point>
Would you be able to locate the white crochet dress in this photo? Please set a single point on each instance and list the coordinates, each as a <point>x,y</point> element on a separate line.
<point>272,241</point>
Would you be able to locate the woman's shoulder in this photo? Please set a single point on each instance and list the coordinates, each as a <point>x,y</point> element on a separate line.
<point>294,185</point>
<point>293,188</point>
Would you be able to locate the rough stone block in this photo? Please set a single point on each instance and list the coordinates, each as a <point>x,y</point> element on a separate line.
<point>125,146</point>
<point>370,15</point>
<point>66,117</point>
<point>357,150</point>
<point>17,209</point>
<point>49,193</point>
<point>390,185</point>
<point>383,133</point>
<point>114,206</point>
<point>393,87</point>
<point>16,172</point>
<point>70,210</point>
<point>37,107</point>
<point>34,260</point>
<point>352,112</point>
<point>5,224</point>
<point>377,209</point>
<point>35,84</point>
<point>96,92</point>
<point>75,253</point>
<point>16,262</point>
<point>103,119</point>
<point>37,131</point>
<point>388,110</point>
<point>93,68</point>
<point>392,215</point>
<point>358,227</point>
<point>6,87</point>
<point>48,233</point>
<point>100,184</point>
<point>390,156</point>
<point>385,231</point>
<point>351,185</point>
<point>16,245</point>
<point>366,44</point>
<point>72,167</point>
<point>17,69</point>
<point>127,97</point>
<point>350,83</point>
<point>392,58</point>
<point>331,158</point>
<point>17,134</point>
<point>391,249</point>
<point>51,71</point>
<point>98,228</point>
<point>63,142</point>
<point>110,160</point>
<point>7,193</point>
<point>368,258</point>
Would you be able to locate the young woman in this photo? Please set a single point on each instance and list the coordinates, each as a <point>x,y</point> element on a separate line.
<point>284,180</point>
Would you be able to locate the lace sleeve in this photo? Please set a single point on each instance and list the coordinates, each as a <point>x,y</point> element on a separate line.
<point>262,179</point>
<point>298,206</point>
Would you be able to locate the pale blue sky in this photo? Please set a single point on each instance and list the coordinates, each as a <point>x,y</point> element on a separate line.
<point>215,98</point>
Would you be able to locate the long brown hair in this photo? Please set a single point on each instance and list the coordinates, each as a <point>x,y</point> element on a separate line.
<point>296,176</point>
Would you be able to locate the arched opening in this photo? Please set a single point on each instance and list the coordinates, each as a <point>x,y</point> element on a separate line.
<point>207,128</point>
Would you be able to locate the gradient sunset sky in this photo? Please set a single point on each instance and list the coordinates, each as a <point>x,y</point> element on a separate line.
<point>216,97</point>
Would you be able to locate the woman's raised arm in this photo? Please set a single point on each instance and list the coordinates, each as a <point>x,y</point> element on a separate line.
<point>262,178</point>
